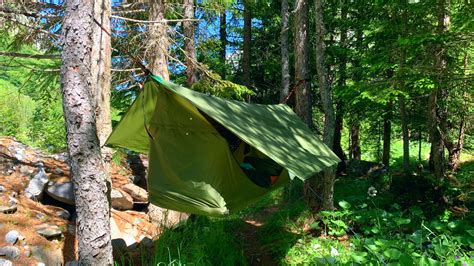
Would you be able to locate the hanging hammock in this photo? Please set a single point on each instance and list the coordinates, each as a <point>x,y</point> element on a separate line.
<point>211,156</point>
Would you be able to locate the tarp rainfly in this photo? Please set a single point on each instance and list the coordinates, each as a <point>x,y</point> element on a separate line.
<point>193,167</point>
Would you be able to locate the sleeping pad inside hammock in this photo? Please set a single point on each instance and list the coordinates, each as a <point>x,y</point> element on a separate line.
<point>211,156</point>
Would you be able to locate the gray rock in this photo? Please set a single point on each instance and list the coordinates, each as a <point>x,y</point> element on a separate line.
<point>48,230</point>
<point>12,201</point>
<point>41,216</point>
<point>26,170</point>
<point>138,194</point>
<point>121,200</point>
<point>5,262</point>
<point>164,217</point>
<point>63,192</point>
<point>72,263</point>
<point>37,184</point>
<point>11,237</point>
<point>27,251</point>
<point>47,256</point>
<point>62,213</point>
<point>2,188</point>
<point>10,252</point>
<point>8,209</point>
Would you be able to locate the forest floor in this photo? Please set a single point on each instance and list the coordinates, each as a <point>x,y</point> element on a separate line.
<point>410,220</point>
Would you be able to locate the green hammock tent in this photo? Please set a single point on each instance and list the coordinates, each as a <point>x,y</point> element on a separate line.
<point>212,156</point>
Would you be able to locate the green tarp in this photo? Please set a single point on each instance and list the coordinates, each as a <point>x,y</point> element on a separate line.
<point>192,168</point>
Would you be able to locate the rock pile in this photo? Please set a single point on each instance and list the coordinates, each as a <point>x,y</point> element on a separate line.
<point>37,214</point>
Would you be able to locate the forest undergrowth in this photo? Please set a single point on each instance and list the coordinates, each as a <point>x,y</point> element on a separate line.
<point>399,219</point>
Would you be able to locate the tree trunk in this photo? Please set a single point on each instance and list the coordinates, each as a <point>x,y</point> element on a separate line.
<point>157,52</point>
<point>341,167</point>
<point>354,133</point>
<point>285,60</point>
<point>325,186</point>
<point>101,66</point>
<point>454,150</point>
<point>189,47</point>
<point>437,98</point>
<point>157,56</point>
<point>387,135</point>
<point>303,90</point>
<point>354,130</point>
<point>401,100</point>
<point>247,42</point>
<point>223,39</point>
<point>405,135</point>
<point>89,177</point>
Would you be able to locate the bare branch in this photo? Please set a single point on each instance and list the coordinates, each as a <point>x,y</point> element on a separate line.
<point>125,70</point>
<point>152,21</point>
<point>27,13</point>
<point>35,56</point>
<point>122,12</point>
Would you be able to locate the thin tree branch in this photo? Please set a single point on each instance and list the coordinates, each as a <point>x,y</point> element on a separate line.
<point>27,13</point>
<point>125,70</point>
<point>34,56</point>
<point>152,21</point>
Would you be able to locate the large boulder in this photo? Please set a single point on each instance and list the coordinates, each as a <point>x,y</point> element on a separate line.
<point>37,184</point>
<point>48,231</point>
<point>48,256</point>
<point>165,218</point>
<point>138,194</point>
<point>63,192</point>
<point>10,252</point>
<point>121,200</point>
<point>129,228</point>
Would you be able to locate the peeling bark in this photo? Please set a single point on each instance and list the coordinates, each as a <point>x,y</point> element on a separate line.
<point>89,177</point>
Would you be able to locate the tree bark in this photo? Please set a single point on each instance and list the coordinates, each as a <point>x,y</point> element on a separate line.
<point>354,129</point>
<point>303,90</point>
<point>223,39</point>
<point>157,52</point>
<point>325,186</point>
<point>247,42</point>
<point>285,59</point>
<point>101,73</point>
<point>436,100</point>
<point>339,123</point>
<point>341,167</point>
<point>89,177</point>
<point>189,46</point>
<point>454,149</point>
<point>401,100</point>
<point>387,135</point>
<point>405,134</point>
<point>354,133</point>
